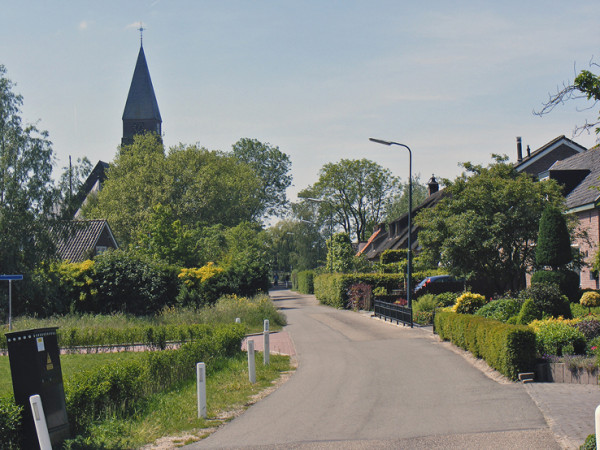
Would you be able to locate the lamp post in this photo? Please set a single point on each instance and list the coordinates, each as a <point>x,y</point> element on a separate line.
<point>408,254</point>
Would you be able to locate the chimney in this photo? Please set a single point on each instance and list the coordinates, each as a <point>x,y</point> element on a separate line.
<point>432,186</point>
<point>528,151</point>
<point>519,149</point>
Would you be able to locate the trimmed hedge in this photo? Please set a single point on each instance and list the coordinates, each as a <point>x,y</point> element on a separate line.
<point>332,288</point>
<point>510,349</point>
<point>306,282</point>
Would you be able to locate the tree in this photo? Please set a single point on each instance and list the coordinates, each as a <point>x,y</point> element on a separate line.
<point>295,244</point>
<point>201,187</point>
<point>27,194</point>
<point>486,229</point>
<point>340,253</point>
<point>585,85</point>
<point>355,194</point>
<point>399,203</point>
<point>273,169</point>
<point>554,241</point>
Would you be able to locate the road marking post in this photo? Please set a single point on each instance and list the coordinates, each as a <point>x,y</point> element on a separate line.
<point>251,365</point>
<point>266,351</point>
<point>597,416</point>
<point>41,427</point>
<point>201,389</point>
<point>238,320</point>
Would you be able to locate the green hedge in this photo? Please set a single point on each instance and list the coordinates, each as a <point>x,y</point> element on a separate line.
<point>510,349</point>
<point>332,288</point>
<point>117,389</point>
<point>306,282</point>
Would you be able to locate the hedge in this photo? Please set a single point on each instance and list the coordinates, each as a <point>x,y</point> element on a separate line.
<point>117,389</point>
<point>306,282</point>
<point>332,289</point>
<point>510,349</point>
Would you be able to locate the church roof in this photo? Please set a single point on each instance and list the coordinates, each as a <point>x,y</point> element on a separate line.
<point>141,102</point>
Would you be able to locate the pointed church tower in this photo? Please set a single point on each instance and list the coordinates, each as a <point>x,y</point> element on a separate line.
<point>141,112</point>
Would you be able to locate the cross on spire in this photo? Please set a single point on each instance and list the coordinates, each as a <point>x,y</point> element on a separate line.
<point>141,30</point>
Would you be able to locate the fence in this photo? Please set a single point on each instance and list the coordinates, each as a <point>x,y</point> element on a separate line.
<point>393,312</point>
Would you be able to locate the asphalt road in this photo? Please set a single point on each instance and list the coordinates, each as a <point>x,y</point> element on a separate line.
<point>361,384</point>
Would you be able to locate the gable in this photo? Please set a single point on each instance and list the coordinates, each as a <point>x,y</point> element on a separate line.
<point>76,241</point>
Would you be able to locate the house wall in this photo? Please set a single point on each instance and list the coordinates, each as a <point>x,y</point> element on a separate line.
<point>589,221</point>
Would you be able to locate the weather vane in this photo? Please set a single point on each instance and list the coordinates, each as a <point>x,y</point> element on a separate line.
<point>141,30</point>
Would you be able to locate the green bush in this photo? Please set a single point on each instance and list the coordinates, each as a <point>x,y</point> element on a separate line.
<point>306,282</point>
<point>425,303</point>
<point>548,299</point>
<point>10,423</point>
<point>510,349</point>
<point>332,289</point>
<point>590,443</point>
<point>567,281</point>
<point>447,298</point>
<point>529,312</point>
<point>500,310</point>
<point>590,300</point>
<point>468,303</point>
<point>559,338</point>
<point>392,256</point>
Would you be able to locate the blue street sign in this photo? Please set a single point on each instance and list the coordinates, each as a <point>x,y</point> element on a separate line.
<point>10,277</point>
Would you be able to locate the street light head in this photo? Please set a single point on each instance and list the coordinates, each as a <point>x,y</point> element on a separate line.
<point>380,141</point>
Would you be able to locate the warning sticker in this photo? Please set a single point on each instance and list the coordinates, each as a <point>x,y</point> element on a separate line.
<point>40,344</point>
<point>49,365</point>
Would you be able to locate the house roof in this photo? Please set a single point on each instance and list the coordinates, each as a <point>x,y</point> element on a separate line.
<point>76,238</point>
<point>396,234</point>
<point>141,102</point>
<point>541,159</point>
<point>579,174</point>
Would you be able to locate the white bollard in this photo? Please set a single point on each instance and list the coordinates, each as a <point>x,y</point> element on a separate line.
<point>238,320</point>
<point>266,352</point>
<point>251,366</point>
<point>40,422</point>
<point>201,389</point>
<point>597,416</point>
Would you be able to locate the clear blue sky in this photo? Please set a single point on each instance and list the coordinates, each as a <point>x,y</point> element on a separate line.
<point>454,80</point>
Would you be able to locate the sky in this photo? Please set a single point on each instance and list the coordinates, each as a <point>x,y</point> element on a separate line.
<point>456,81</point>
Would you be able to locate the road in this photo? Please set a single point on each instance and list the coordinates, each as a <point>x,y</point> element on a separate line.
<point>362,383</point>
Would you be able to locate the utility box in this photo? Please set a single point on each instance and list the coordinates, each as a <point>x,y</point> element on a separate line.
<point>35,369</point>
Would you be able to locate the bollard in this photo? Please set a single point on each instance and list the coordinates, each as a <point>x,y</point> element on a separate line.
<point>40,422</point>
<point>251,368</point>
<point>266,343</point>
<point>597,416</point>
<point>238,320</point>
<point>201,389</point>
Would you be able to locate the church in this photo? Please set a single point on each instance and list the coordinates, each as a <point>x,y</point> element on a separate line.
<point>141,115</point>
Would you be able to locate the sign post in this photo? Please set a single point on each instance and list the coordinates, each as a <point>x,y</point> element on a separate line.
<point>10,279</point>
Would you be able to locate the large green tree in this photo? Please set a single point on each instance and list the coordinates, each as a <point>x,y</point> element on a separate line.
<point>399,203</point>
<point>486,229</point>
<point>354,194</point>
<point>201,188</point>
<point>27,193</point>
<point>295,244</point>
<point>272,167</point>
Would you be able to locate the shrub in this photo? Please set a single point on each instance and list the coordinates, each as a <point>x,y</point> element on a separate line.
<point>392,256</point>
<point>10,423</point>
<point>528,313</point>
<point>332,288</point>
<point>558,337</point>
<point>423,317</point>
<point>305,282</point>
<point>201,285</point>
<point>590,300</point>
<point>510,349</point>
<point>589,443</point>
<point>554,241</point>
<point>425,303</point>
<point>567,281</point>
<point>589,327</point>
<point>501,309</point>
<point>548,299</point>
<point>447,298</point>
<point>359,296</point>
<point>468,303</point>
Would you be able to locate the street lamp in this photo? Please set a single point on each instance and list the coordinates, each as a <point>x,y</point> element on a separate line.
<point>408,254</point>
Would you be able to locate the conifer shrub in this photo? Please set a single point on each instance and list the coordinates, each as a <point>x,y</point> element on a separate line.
<point>554,241</point>
<point>529,312</point>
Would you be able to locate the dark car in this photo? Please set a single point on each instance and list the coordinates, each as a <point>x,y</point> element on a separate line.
<point>438,284</point>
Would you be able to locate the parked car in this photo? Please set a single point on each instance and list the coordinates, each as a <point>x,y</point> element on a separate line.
<point>438,284</point>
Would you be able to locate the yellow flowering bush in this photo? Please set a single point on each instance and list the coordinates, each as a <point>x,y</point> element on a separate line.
<point>195,276</point>
<point>468,303</point>
<point>77,278</point>
<point>540,323</point>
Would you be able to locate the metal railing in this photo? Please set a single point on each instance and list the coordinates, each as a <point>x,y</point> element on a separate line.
<point>393,312</point>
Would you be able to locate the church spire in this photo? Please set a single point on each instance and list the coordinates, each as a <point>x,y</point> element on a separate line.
<point>141,112</point>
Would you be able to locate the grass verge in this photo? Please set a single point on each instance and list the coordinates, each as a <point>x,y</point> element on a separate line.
<point>173,413</point>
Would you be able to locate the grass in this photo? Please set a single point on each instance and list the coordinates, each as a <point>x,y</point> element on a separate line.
<point>174,412</point>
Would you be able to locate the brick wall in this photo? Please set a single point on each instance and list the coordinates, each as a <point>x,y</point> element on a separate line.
<point>589,221</point>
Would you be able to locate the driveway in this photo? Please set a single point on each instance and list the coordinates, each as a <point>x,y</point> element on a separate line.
<point>361,384</point>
